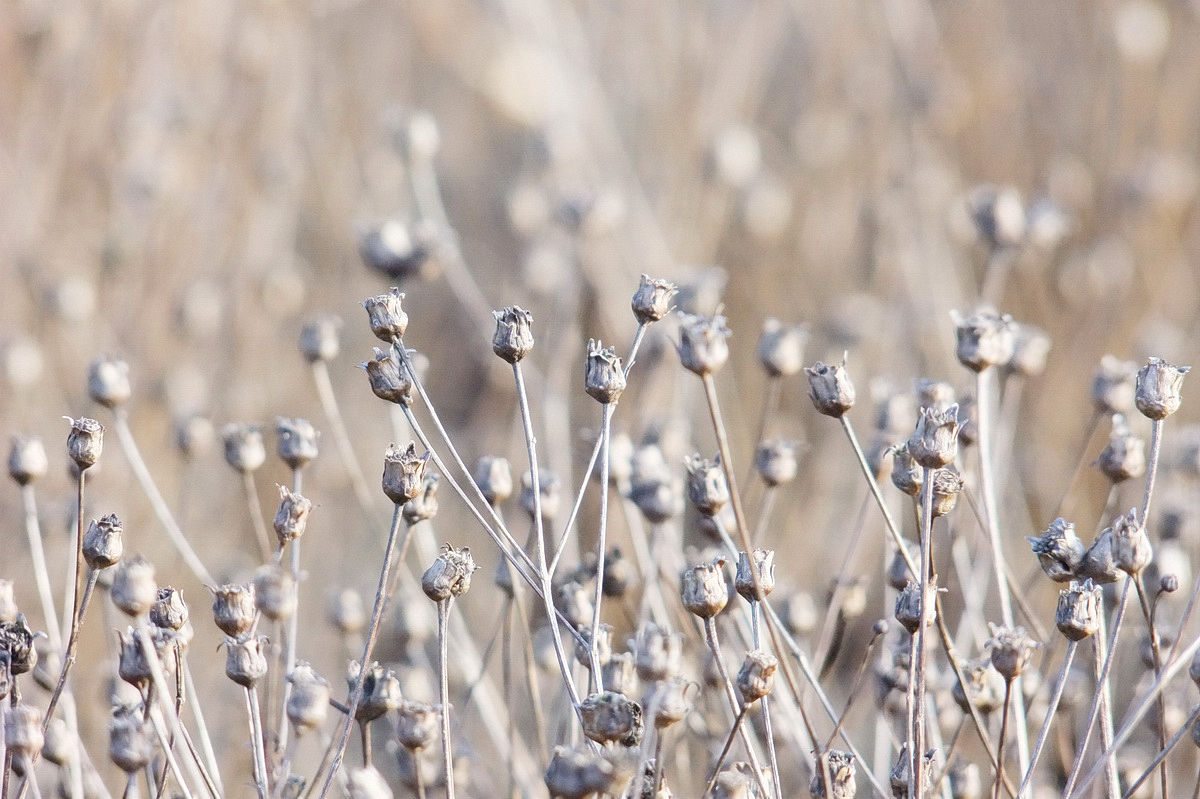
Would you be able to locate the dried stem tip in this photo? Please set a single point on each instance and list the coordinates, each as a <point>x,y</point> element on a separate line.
<point>604,377</point>
<point>704,590</point>
<point>513,338</point>
<point>102,543</point>
<point>934,442</point>
<point>1012,650</point>
<point>703,345</point>
<point>1158,388</point>
<point>764,563</point>
<point>450,574</point>
<point>652,300</point>
<point>830,389</point>
<point>1078,614</point>
<point>389,379</point>
<point>403,473</point>
<point>756,677</point>
<point>85,442</point>
<point>108,381</point>
<point>388,319</point>
<point>291,518</point>
<point>985,338</point>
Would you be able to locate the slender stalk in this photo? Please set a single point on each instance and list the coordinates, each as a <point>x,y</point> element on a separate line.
<point>72,645</point>
<point>1008,686</point>
<point>161,694</point>
<point>1155,449</point>
<point>293,632</point>
<point>210,757</point>
<point>916,751</point>
<point>341,438</point>
<point>41,574</point>
<point>256,743</point>
<point>31,779</point>
<point>254,506</point>
<point>444,683</point>
<point>766,707</point>
<point>601,542</point>
<point>873,484</point>
<point>710,635</point>
<point>733,731</point>
<point>1156,657</point>
<point>1050,710</point>
<point>1163,753</point>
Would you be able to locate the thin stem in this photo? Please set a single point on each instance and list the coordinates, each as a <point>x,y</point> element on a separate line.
<point>1162,755</point>
<point>733,731</point>
<point>1008,686</point>
<point>444,682</point>
<point>162,692</point>
<point>710,635</point>
<point>256,517</point>
<point>873,484</point>
<point>601,543</point>
<point>766,706</point>
<point>916,751</point>
<point>293,632</point>
<point>210,757</point>
<point>1156,657</point>
<point>1152,471</point>
<point>341,439</point>
<point>72,644</point>
<point>1050,710</point>
<point>41,574</point>
<point>364,731</point>
<point>256,743</point>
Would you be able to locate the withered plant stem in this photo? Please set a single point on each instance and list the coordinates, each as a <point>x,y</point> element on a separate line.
<point>714,645</point>
<point>601,542</point>
<point>1050,710</point>
<point>444,693</point>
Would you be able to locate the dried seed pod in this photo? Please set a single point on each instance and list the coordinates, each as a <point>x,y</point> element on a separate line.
<point>998,215</point>
<point>907,474</point>
<point>667,701</point>
<point>984,687</point>
<point>49,663</point>
<point>659,498</point>
<point>934,442</point>
<point>296,442</point>
<point>577,773</point>
<point>293,787</point>
<point>734,783</point>
<point>901,774</point>
<point>347,612</point>
<point>103,544</point>
<point>291,518</point>
<point>1099,562</point>
<point>1159,387</point>
<point>583,649</point>
<point>130,741</point>
<point>308,703</point>
<point>424,506</point>
<point>368,783</point>
<point>841,775</point>
<point>275,591</point>
<point>194,435</point>
<point>450,574</point>
<point>388,320</point>
<point>1032,347</point>
<point>756,677</point>
<point>389,379</point>
<point>23,732</point>
<point>132,665</point>
<point>775,461</point>
<point>1132,551</point>
<point>898,574</point>
<point>244,448</point>
<point>27,460</point>
<point>108,381</point>
<point>619,574</point>
<point>494,477</point>
<point>1059,551</point>
<point>604,376</point>
<point>134,589</point>
<point>936,394</point>
<point>320,338</point>
<point>1012,650</point>
<point>781,348</point>
<point>169,611</point>
<point>550,489</point>
<point>610,717</point>
<point>245,660</point>
<point>830,389</point>
<point>1079,608</point>
<point>652,300</point>
<point>620,674</point>
<point>658,653</point>
<point>764,563</point>
<point>706,485</point>
<point>908,606</point>
<point>947,483</point>
<point>234,608</point>
<point>703,588</point>
<point>1125,455</point>
<point>985,338</point>
<point>1114,384</point>
<point>703,345</point>
<point>513,339</point>
<point>85,442</point>
<point>381,692</point>
<point>574,601</point>
<point>61,745</point>
<point>399,251</point>
<point>403,473</point>
<point>965,780</point>
<point>417,725</point>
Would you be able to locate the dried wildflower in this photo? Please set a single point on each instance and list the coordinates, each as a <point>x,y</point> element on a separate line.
<point>108,381</point>
<point>830,389</point>
<point>619,674</point>
<point>658,653</point>
<point>169,611</point>
<point>703,588</point>
<point>27,460</point>
<point>756,677</point>
<point>291,518</point>
<point>984,687</point>
<point>947,484</point>
<point>550,489</point>
<point>1125,455</point>
<point>610,717</point>
<point>1159,385</point>
<point>245,661</point>
<point>85,442</point>
<point>296,441</point>
<point>934,394</point>
<point>901,774</point>
<point>934,442</point>
<point>130,741</point>
<point>577,773</point>
<point>1099,562</point>
<point>234,608</point>
<point>1131,546</point>
<point>619,574</point>
<point>1012,650</point>
<point>320,338</point>
<point>397,250</point>
<point>493,475</point>
<point>194,436</point>
<point>775,461</point>
<point>367,783</point>
<point>132,664</point>
<point>416,725</point>
<point>1032,347</point>
<point>244,448</point>
<point>985,338</point>
<point>1059,551</point>
<point>381,691</point>
<point>388,320</point>
<point>998,215</point>
<point>583,649</point>
<point>134,589</point>
<point>102,543</point>
<point>575,603</point>
<point>423,506</point>
<point>841,774</point>
<point>308,702</point>
<point>275,591</point>
<point>1114,385</point>
<point>706,485</point>
<point>450,574</point>
<point>403,473</point>
<point>23,732</point>
<point>604,377</point>
<point>965,780</point>
<point>346,611</point>
<point>388,378</point>
<point>513,339</point>
<point>764,564</point>
<point>781,348</point>
<point>908,606</point>
<point>907,474</point>
<point>1079,608</point>
<point>703,346</point>
<point>652,300</point>
<point>668,701</point>
<point>61,746</point>
<point>659,496</point>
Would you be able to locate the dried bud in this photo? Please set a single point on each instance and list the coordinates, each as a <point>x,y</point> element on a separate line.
<point>388,319</point>
<point>901,774</point>
<point>610,717</point>
<point>703,346</point>
<point>389,379</point>
<point>908,606</point>
<point>1012,650</point>
<point>275,591</point>
<point>984,339</point>
<point>658,653</point>
<point>130,741</point>
<point>381,692</point>
<point>578,773</point>
<point>583,649</point>
<point>27,459</point>
<point>134,589</point>
<point>368,783</point>
<point>450,574</point>
<point>907,474</point>
<point>245,661</point>
<point>102,543</point>
<point>1158,388</point>
<point>398,251</point>
<point>61,745</point>
<point>898,574</point>
<point>85,442</point>
<point>194,436</point>
<point>934,442</point>
<point>423,506</point>
<point>764,563</point>
<point>706,486</point>
<point>244,448</point>
<point>756,677</point>
<point>830,389</point>
<point>775,461</point>
<point>416,725</point>
<point>652,300</point>
<point>984,686</point>
<point>1099,562</point>
<point>841,774</point>
<point>132,665</point>
<point>732,783</point>
<point>604,377</point>
<point>668,700</point>
<point>1114,385</point>
<point>513,339</point>
<point>23,732</point>
<point>998,214</point>
<point>1059,551</point>
<point>619,674</point>
<point>234,608</point>
<point>297,441</point>
<point>320,338</point>
<point>493,475</point>
<point>704,590</point>
<point>308,703</point>
<point>346,612</point>
<point>403,473</point>
<point>781,348</point>
<point>16,640</point>
<point>574,602</point>
<point>1031,350</point>
<point>49,663</point>
<point>1168,583</point>
<point>550,494</point>
<point>1079,608</point>
<point>169,611</point>
<point>292,516</point>
<point>1125,455</point>
<point>619,574</point>
<point>1131,546</point>
<point>108,381</point>
<point>947,483</point>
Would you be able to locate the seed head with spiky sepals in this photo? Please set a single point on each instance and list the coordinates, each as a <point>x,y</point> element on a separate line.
<point>604,377</point>
<point>1059,551</point>
<point>830,389</point>
<point>513,339</point>
<point>450,574</point>
<point>652,300</point>
<point>403,472</point>
<point>1079,608</point>
<point>387,317</point>
<point>85,442</point>
<point>934,442</point>
<point>703,588</point>
<point>1132,551</point>
<point>984,338</point>
<point>1158,393</point>
<point>103,543</point>
<point>1012,650</point>
<point>297,441</point>
<point>703,343</point>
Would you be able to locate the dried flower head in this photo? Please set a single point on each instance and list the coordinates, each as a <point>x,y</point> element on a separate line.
<point>1059,551</point>
<point>513,339</point>
<point>108,381</point>
<point>234,608</point>
<point>16,641</point>
<point>130,740</point>
<point>619,674</point>
<point>756,677</point>
<point>367,783</point>
<point>245,660</point>
<point>297,441</point>
<point>389,379</point>
<point>901,774</point>
<point>85,442</point>
<point>1031,349</point>
<point>583,648</point>
<point>610,717</point>
<point>604,376</point>
<point>703,588</point>
<point>909,606</point>
<point>706,486</point>
<point>703,343</point>
<point>424,506</point>
<point>619,574</point>
<point>291,518</point>
<point>1099,562</point>
<point>907,475</point>
<point>1125,455</point>
<point>23,732</point>
<point>27,460</point>
<point>1012,650</point>
<point>658,653</point>
<point>998,215</point>
<point>775,461</point>
<point>493,475</point>
<point>984,687</point>
<point>652,300</point>
<point>1159,387</point>
<point>403,472</point>
<point>830,389</point>
<point>781,348</point>
<point>388,320</point>
<point>134,589</point>
<point>450,574</point>
<point>578,773</point>
<point>275,591</point>
<point>574,601</point>
<point>320,338</point>
<point>132,664</point>
<point>244,448</point>
<point>398,250</point>
<point>308,702</point>
<point>1132,551</point>
<point>347,612</point>
<point>549,495</point>
<point>947,483</point>
<point>381,691</point>
<point>985,338</point>
<point>103,543</point>
<point>764,563</point>
<point>1114,385</point>
<point>416,725</point>
<point>841,775</point>
<point>1079,608</point>
<point>934,442</point>
<point>169,611</point>
<point>194,435</point>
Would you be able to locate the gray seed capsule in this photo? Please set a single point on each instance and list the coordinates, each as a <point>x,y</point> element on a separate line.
<point>85,442</point>
<point>388,320</point>
<point>103,544</point>
<point>296,442</point>
<point>703,343</point>
<point>830,389</point>
<point>652,300</point>
<point>403,473</point>
<point>108,381</point>
<point>27,460</point>
<point>513,339</point>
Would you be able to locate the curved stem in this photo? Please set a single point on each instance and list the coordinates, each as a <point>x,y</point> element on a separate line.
<point>1050,710</point>
<point>733,731</point>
